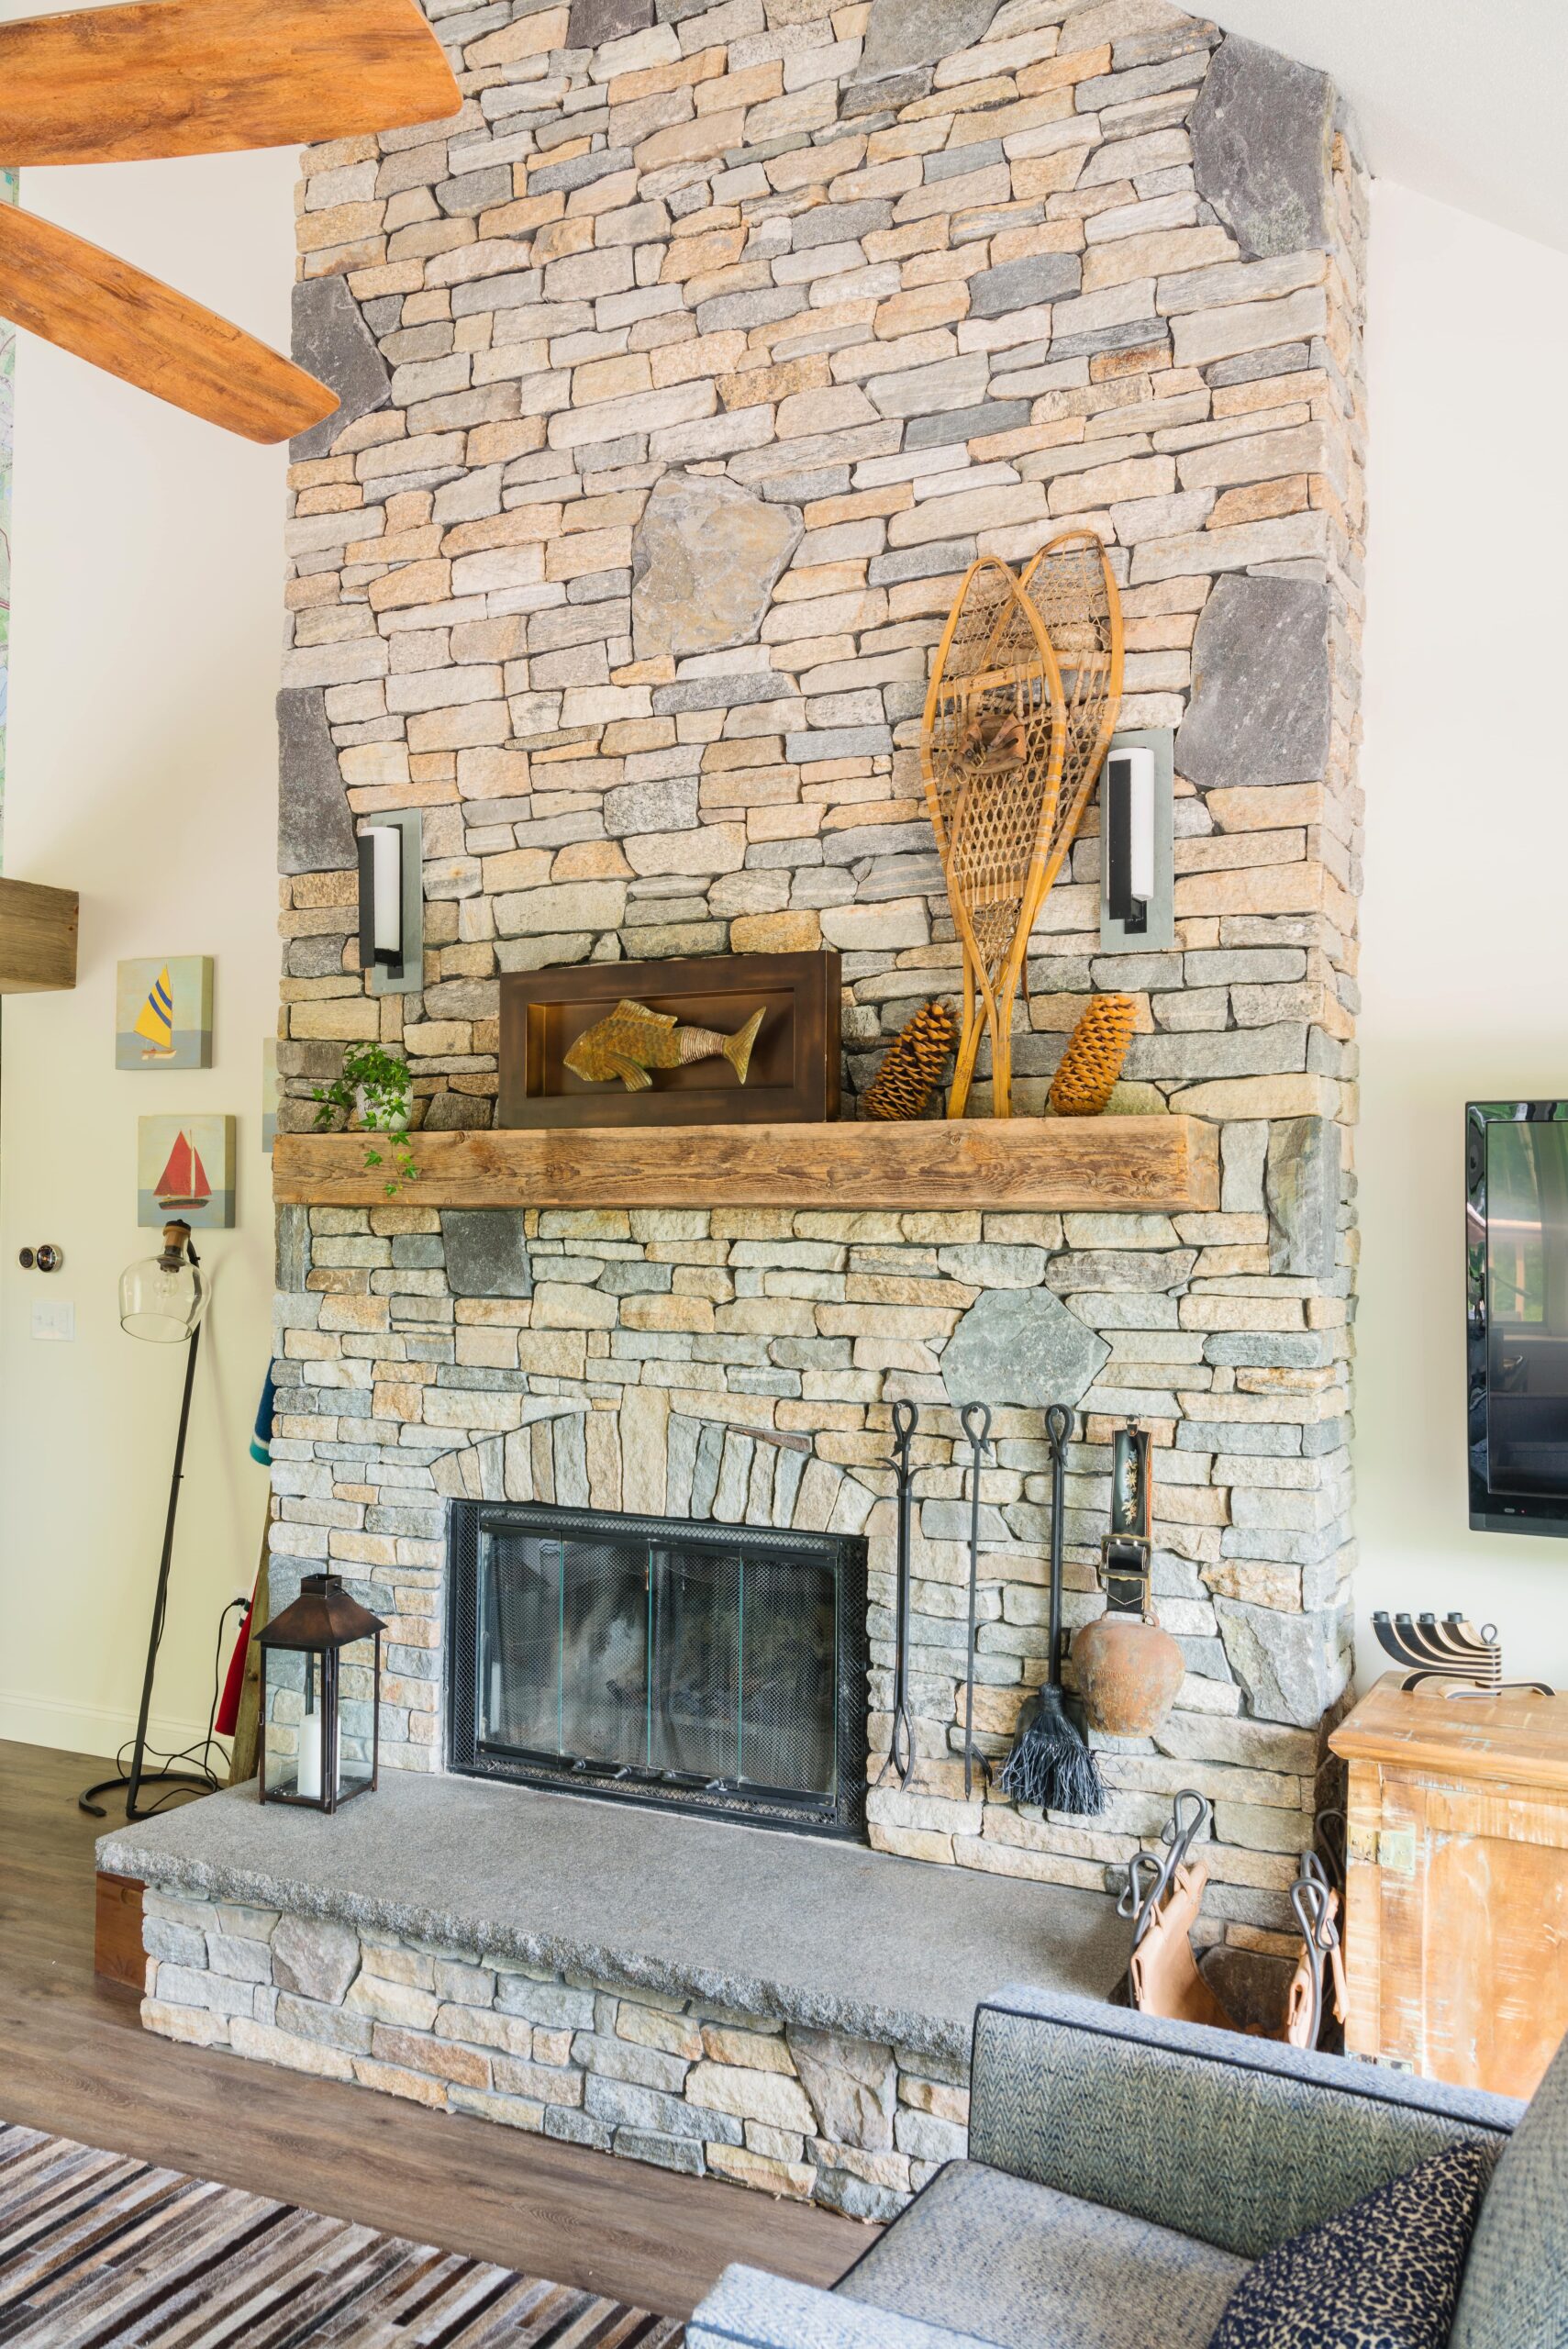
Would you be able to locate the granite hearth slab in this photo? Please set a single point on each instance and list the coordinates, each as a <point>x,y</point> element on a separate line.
<point>830,1936</point>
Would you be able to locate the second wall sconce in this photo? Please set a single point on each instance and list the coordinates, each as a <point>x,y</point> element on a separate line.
<point>1137,792</point>
<point>391,902</point>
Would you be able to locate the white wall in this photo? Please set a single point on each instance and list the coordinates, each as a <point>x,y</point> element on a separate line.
<point>142,772</point>
<point>1464,964</point>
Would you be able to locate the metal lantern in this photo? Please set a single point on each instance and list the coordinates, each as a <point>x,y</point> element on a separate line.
<point>302,1665</point>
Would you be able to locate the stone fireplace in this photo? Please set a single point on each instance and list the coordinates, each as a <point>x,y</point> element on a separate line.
<point>683,378</point>
<point>660,1660</point>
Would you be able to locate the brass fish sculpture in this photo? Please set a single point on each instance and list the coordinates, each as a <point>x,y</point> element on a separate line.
<point>631,1040</point>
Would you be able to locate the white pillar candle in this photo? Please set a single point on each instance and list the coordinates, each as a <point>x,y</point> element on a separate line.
<point>309,1777</point>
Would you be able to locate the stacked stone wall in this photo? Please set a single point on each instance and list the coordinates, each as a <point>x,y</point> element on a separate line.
<point>683,375</point>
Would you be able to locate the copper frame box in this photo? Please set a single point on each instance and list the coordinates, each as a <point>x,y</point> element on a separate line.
<point>793,1075</point>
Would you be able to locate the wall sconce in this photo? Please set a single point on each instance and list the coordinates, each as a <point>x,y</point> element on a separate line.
<point>391,902</point>
<point>1137,792</point>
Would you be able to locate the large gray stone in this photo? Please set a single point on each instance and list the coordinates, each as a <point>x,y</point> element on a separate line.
<point>332,342</point>
<point>1259,707</point>
<point>705,559</point>
<point>1302,1187</point>
<point>316,1957</point>
<point>1021,1346</point>
<point>487,1253</point>
<point>904,33</point>
<point>1291,1668</point>
<point>315,831</point>
<point>1261,132</point>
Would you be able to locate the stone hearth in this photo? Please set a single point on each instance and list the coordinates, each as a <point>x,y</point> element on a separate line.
<point>783,2012</point>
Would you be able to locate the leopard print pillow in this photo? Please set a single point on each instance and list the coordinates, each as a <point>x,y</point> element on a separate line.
<point>1383,2275</point>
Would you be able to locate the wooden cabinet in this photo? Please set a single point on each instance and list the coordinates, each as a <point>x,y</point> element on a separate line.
<point>1456,1933</point>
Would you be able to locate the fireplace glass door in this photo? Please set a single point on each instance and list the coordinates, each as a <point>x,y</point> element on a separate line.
<point>682,1663</point>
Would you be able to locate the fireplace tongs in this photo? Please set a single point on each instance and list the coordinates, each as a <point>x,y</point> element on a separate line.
<point>901,1737</point>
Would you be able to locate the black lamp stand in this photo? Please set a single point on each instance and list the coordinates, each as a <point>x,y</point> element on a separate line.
<point>199,1780</point>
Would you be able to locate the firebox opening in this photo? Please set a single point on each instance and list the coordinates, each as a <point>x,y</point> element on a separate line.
<point>704,1667</point>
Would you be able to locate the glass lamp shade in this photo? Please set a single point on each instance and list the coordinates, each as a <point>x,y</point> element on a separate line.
<point>164,1298</point>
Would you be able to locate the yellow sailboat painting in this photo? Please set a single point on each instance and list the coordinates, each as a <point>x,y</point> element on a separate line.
<point>155,1020</point>
<point>163,1012</point>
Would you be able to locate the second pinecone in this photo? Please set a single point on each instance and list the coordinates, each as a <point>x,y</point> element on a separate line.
<point>913,1064</point>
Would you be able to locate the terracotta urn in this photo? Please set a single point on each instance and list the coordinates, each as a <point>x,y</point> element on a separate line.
<point>1128,1671</point>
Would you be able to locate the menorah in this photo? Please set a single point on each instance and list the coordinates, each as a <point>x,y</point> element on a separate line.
<point>1451,1650</point>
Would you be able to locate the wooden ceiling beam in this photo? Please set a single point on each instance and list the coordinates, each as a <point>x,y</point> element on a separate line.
<point>117,318</point>
<point>206,77</point>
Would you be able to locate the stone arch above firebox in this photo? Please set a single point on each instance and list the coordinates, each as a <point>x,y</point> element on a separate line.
<point>650,1460</point>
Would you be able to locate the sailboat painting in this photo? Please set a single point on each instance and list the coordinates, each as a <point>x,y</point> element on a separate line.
<point>163,1012</point>
<point>185,1166</point>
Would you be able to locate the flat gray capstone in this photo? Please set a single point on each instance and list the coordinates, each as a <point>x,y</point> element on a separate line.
<point>1291,1668</point>
<point>808,1930</point>
<point>705,560</point>
<point>315,831</point>
<point>1260,707</point>
<point>487,1253</point>
<point>1021,1346</point>
<point>1261,133</point>
<point>1301,1190</point>
<point>332,342</point>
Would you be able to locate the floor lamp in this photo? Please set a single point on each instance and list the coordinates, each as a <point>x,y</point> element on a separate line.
<point>163,1299</point>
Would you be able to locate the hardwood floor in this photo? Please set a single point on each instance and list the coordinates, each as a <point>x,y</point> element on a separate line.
<point>74,2059</point>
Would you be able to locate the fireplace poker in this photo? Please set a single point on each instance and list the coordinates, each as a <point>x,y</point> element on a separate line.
<point>901,1738</point>
<point>975,1420</point>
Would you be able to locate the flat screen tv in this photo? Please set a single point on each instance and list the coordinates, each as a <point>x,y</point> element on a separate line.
<point>1515,1172</point>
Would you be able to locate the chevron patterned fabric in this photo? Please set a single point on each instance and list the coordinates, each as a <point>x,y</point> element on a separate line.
<point>1236,2142</point>
<point>1026,2268</point>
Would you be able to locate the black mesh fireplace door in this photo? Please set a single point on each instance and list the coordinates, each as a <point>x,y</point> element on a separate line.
<point>705,1667</point>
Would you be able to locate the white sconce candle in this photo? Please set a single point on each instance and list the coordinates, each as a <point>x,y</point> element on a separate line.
<point>1141,824</point>
<point>386,869</point>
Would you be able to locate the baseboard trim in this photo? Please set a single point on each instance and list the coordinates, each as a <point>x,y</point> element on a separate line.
<point>84,1729</point>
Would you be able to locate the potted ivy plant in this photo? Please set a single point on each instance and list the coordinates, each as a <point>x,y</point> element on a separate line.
<point>376,1088</point>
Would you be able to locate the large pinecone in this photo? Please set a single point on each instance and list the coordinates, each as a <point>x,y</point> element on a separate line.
<point>913,1064</point>
<point>1086,1074</point>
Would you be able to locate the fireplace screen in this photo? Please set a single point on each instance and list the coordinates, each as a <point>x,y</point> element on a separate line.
<point>718,1668</point>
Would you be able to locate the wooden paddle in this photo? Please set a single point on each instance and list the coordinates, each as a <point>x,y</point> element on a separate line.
<point>204,77</point>
<point>104,310</point>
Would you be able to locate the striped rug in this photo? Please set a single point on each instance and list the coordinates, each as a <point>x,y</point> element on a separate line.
<point>98,2249</point>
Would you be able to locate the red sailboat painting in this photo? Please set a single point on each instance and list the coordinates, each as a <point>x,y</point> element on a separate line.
<point>185,1166</point>
<point>184,1181</point>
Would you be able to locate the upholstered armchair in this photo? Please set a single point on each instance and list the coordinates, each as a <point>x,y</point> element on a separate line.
<point>1124,2172</point>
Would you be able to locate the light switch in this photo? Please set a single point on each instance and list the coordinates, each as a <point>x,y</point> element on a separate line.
<point>55,1320</point>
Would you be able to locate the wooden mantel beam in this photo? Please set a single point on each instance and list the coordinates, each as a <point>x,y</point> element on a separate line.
<point>38,937</point>
<point>1109,1164</point>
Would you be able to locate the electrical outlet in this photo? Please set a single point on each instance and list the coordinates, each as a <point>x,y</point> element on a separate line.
<point>53,1319</point>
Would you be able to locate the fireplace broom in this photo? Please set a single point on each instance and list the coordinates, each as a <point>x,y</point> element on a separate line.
<point>1050,1763</point>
